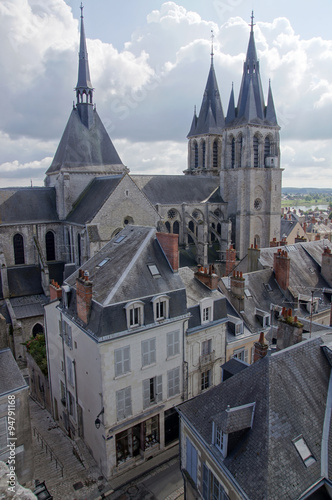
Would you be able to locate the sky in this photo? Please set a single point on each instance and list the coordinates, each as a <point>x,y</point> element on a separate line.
<point>149,61</point>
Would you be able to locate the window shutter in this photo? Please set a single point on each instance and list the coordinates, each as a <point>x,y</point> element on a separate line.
<point>69,336</point>
<point>126,359</point>
<point>120,404</point>
<point>206,483</point>
<point>118,362</point>
<point>170,344</point>
<point>159,388</point>
<point>152,350</point>
<point>127,404</point>
<point>176,380</point>
<point>146,393</point>
<point>191,463</point>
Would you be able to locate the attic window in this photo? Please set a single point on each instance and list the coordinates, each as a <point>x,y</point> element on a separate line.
<point>303,450</point>
<point>154,270</point>
<point>247,293</point>
<point>268,287</point>
<point>103,262</point>
<point>120,238</point>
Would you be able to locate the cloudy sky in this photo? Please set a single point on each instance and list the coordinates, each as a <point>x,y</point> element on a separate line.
<point>149,62</point>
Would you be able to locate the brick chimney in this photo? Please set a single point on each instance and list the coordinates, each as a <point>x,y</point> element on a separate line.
<point>83,296</point>
<point>289,330</point>
<point>281,265</point>
<point>253,256</point>
<point>55,291</point>
<point>208,277</point>
<point>230,260</point>
<point>305,227</point>
<point>260,348</point>
<point>326,269</point>
<point>169,243</point>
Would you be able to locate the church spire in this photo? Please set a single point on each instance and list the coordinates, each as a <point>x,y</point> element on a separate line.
<point>251,86</point>
<point>84,89</point>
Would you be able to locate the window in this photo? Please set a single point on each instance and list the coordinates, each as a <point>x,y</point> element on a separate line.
<point>173,343</point>
<point>123,403</point>
<point>71,404</point>
<point>67,334</point>
<point>122,360</point>
<point>154,270</point>
<point>205,379</point>
<point>206,483</point>
<point>50,246</point>
<point>63,393</point>
<point>3,434</point>
<point>241,354</point>
<point>173,382</point>
<point>148,352</point>
<point>206,347</point>
<point>135,314</point>
<point>18,249</point>
<point>211,488</point>
<point>218,492</point>
<point>303,451</point>
<point>160,307</point>
<point>152,391</point>
<point>70,371</point>
<point>219,442</point>
<point>191,460</point>
<point>206,308</point>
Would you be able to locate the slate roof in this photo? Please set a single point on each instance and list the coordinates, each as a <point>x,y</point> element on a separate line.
<point>211,116</point>
<point>177,189</point>
<point>24,280</point>
<point>29,307</point>
<point>289,389</point>
<point>305,276</point>
<point>286,227</point>
<point>82,147</point>
<point>93,198</point>
<point>22,205</point>
<point>11,378</point>
<point>125,277</point>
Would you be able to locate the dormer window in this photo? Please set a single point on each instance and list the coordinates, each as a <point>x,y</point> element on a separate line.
<point>219,439</point>
<point>135,314</point>
<point>235,325</point>
<point>263,317</point>
<point>160,307</point>
<point>206,307</point>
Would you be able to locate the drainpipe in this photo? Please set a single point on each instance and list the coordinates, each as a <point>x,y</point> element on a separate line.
<point>76,395</point>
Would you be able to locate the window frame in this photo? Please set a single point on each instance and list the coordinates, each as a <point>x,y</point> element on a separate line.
<point>123,403</point>
<point>130,308</point>
<point>205,380</point>
<point>160,302</point>
<point>122,364</point>
<point>149,356</point>
<point>152,391</point>
<point>173,382</point>
<point>173,343</point>
<point>206,309</point>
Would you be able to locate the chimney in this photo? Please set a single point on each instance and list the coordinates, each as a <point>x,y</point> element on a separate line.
<point>305,227</point>
<point>253,256</point>
<point>289,330</point>
<point>237,288</point>
<point>83,296</point>
<point>230,260</point>
<point>208,277</point>
<point>274,243</point>
<point>281,265</point>
<point>260,348</point>
<point>317,237</point>
<point>326,269</point>
<point>169,243</point>
<point>55,291</point>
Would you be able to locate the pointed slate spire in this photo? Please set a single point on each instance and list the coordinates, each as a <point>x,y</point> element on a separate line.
<point>211,118</point>
<point>84,86</point>
<point>270,113</point>
<point>251,80</point>
<point>231,107</point>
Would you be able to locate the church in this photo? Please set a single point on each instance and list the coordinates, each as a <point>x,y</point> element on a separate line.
<point>230,194</point>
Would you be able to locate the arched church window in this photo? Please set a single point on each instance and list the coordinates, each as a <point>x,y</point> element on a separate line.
<point>238,150</point>
<point>176,227</point>
<point>50,246</point>
<point>203,154</point>
<point>18,244</point>
<point>196,154</point>
<point>255,145</point>
<point>191,226</point>
<point>37,329</point>
<point>267,147</point>
<point>168,226</point>
<point>70,255</point>
<point>215,154</point>
<point>233,153</point>
<point>219,228</point>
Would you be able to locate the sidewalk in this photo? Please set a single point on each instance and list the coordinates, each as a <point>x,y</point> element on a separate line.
<point>81,478</point>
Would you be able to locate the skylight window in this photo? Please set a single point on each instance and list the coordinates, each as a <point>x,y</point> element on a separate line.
<point>120,238</point>
<point>154,270</point>
<point>303,451</point>
<point>247,293</point>
<point>103,262</point>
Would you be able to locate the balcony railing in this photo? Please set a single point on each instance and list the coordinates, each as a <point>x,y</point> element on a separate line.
<point>206,359</point>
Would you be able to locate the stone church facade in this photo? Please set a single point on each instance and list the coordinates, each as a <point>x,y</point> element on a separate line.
<point>230,194</point>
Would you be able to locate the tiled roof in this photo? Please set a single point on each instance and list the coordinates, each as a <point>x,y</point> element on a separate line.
<point>290,390</point>
<point>11,378</point>
<point>22,205</point>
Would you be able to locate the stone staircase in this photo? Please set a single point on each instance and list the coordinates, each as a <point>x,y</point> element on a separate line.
<point>59,461</point>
